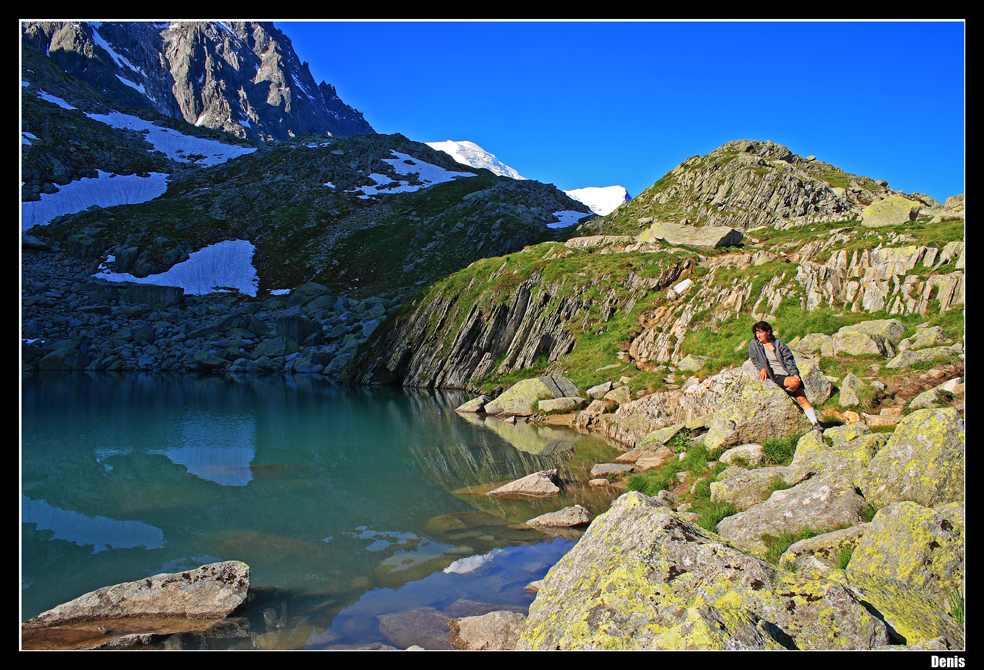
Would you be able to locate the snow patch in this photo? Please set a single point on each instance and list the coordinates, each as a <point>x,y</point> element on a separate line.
<point>173,144</point>
<point>469,153</point>
<point>567,219</point>
<point>404,164</point>
<point>106,190</point>
<point>216,269</point>
<point>601,200</point>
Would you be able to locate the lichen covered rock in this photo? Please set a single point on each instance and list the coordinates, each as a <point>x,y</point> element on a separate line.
<point>923,461</point>
<point>821,503</point>
<point>911,616</point>
<point>916,545</point>
<point>644,578</point>
<point>754,410</point>
<point>521,399</point>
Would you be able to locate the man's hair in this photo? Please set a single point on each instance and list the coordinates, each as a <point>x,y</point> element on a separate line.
<point>764,327</point>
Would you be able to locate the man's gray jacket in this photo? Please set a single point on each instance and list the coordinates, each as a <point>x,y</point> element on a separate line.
<point>756,353</point>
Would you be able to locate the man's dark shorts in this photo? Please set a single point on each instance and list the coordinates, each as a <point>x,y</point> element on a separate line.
<point>781,381</point>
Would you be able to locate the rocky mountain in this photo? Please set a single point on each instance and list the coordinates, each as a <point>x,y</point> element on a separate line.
<point>674,296</point>
<point>747,184</point>
<point>239,77</point>
<point>601,200</point>
<point>127,195</point>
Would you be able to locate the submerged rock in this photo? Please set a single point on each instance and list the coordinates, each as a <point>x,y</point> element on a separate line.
<point>493,631</point>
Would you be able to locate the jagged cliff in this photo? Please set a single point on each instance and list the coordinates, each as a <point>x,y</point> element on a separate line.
<point>241,77</point>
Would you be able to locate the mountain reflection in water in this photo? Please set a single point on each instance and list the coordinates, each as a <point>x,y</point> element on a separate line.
<point>341,499</point>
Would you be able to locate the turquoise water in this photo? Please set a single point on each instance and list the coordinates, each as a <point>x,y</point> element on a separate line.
<point>350,504</point>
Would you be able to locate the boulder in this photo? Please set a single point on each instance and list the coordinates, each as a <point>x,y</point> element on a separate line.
<point>660,436</point>
<point>911,357</point>
<point>543,483</point>
<point>497,630</point>
<point>822,503</point>
<point>914,619</point>
<point>621,395</point>
<point>820,555</point>
<point>815,343</point>
<point>751,454</point>
<point>565,518</point>
<point>152,294</point>
<point>560,404</point>
<point>747,488</point>
<point>847,457</point>
<point>474,405</point>
<point>859,343</point>
<point>521,399</point>
<point>886,329</point>
<point>849,390</point>
<point>706,238</point>
<point>916,545</point>
<point>923,461</point>
<point>932,397</point>
<point>816,385</point>
<point>603,469</point>
<point>642,577</point>
<point>891,211</point>
<point>599,391</point>
<point>753,410</point>
<point>211,591</point>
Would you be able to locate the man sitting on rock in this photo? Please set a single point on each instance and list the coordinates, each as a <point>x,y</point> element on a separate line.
<point>775,361</point>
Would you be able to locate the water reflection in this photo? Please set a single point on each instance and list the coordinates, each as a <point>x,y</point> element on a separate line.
<point>327,492</point>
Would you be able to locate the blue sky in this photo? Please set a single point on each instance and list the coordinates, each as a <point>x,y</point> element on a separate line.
<point>580,104</point>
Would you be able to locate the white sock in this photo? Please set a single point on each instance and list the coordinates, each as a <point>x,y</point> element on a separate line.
<point>810,414</point>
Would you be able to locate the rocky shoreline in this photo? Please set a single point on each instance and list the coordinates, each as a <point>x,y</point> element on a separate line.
<point>74,321</point>
<point>904,571</point>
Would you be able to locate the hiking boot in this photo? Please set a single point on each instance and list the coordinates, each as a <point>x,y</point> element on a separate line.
<point>818,429</point>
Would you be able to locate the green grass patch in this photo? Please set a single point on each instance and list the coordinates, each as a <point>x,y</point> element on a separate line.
<point>779,451</point>
<point>778,544</point>
<point>844,556</point>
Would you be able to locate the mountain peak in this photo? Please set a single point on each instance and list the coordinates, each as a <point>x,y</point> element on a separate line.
<point>469,153</point>
<point>237,76</point>
<point>745,184</point>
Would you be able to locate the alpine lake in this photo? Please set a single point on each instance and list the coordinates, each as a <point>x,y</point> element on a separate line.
<point>361,511</point>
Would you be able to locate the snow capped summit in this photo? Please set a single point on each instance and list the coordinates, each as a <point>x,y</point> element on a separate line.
<point>469,153</point>
<point>601,200</point>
